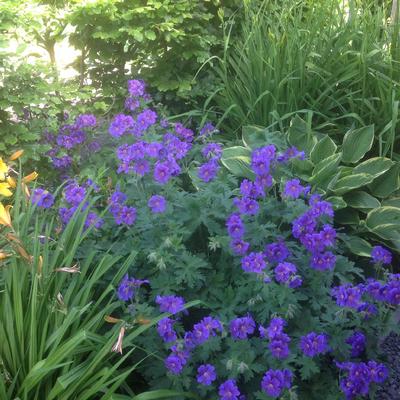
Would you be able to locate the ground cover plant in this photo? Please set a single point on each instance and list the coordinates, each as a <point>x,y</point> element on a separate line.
<point>283,311</point>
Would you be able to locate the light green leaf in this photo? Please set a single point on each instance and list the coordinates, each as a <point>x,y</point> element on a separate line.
<point>384,222</point>
<point>237,160</point>
<point>325,148</point>
<point>358,246</point>
<point>356,143</point>
<point>337,202</point>
<point>362,200</point>
<point>387,183</point>
<point>255,136</point>
<point>351,182</point>
<point>324,171</point>
<point>374,166</point>
<point>300,135</point>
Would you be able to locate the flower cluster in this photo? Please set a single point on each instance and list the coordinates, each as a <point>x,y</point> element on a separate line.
<point>278,340</point>
<point>122,213</point>
<point>313,344</point>
<point>357,341</point>
<point>128,286</point>
<point>380,255</point>
<point>208,171</point>
<point>359,377</point>
<point>42,198</point>
<point>276,381</point>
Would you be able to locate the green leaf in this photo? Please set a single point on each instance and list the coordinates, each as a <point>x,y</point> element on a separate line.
<point>394,202</point>
<point>300,135</point>
<point>325,148</point>
<point>237,160</point>
<point>374,166</point>
<point>351,182</point>
<point>358,246</point>
<point>387,183</point>
<point>255,136</point>
<point>163,394</point>
<point>356,143</point>
<point>337,202</point>
<point>384,222</point>
<point>150,35</point>
<point>362,200</point>
<point>324,171</point>
<point>347,216</point>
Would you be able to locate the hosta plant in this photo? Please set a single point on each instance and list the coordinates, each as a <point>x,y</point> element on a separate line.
<point>363,190</point>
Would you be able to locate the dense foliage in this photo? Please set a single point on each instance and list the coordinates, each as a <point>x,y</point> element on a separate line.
<point>282,306</point>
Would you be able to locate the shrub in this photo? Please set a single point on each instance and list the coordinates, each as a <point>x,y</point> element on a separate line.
<point>283,309</point>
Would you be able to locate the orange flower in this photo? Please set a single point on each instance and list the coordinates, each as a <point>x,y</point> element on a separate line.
<point>16,155</point>
<point>3,255</point>
<point>31,177</point>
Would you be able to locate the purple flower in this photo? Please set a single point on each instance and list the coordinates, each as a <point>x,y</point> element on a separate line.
<point>120,124</point>
<point>347,295</point>
<point>206,374</point>
<point>284,272</point>
<point>200,333</point>
<point>293,189</point>
<point>254,262</point>
<point>323,261</point>
<point>94,146</point>
<point>94,220</point>
<point>357,342</point>
<point>279,346</point>
<point>235,226</point>
<point>174,364</point>
<point>118,197</point>
<point>126,215</point>
<point>145,119</point>
<point>228,390</point>
<point>74,194</point>
<point>171,304</point>
<point>275,328</point>
<point>261,159</point>
<point>153,149</point>
<point>127,287</point>
<point>208,171</point>
<point>207,129</point>
<point>42,198</point>
<point>162,172</point>
<point>157,203</point>
<point>239,246</point>
<point>378,372</point>
<point>291,153</point>
<point>86,121</point>
<point>275,381</point>
<point>131,104</point>
<point>185,133</point>
<point>328,236</point>
<point>136,87</point>
<point>165,329</point>
<point>246,205</point>
<point>212,151</point>
<point>314,344</point>
<point>380,255</point>
<point>62,162</point>
<point>276,252</point>
<point>141,167</point>
<point>240,328</point>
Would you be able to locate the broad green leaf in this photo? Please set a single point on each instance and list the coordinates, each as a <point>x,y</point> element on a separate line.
<point>393,202</point>
<point>351,182</point>
<point>358,246</point>
<point>300,135</point>
<point>360,199</point>
<point>237,160</point>
<point>325,148</point>
<point>384,222</point>
<point>255,136</point>
<point>374,166</point>
<point>387,183</point>
<point>150,35</point>
<point>356,143</point>
<point>324,170</point>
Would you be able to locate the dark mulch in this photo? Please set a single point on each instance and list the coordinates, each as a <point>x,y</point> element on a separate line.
<point>390,389</point>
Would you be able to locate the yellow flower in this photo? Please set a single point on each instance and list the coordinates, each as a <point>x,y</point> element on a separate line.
<point>11,182</point>
<point>5,189</point>
<point>3,170</point>
<point>5,218</point>
<point>31,177</point>
<point>16,155</point>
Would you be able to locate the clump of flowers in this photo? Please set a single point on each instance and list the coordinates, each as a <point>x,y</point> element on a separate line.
<point>259,252</point>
